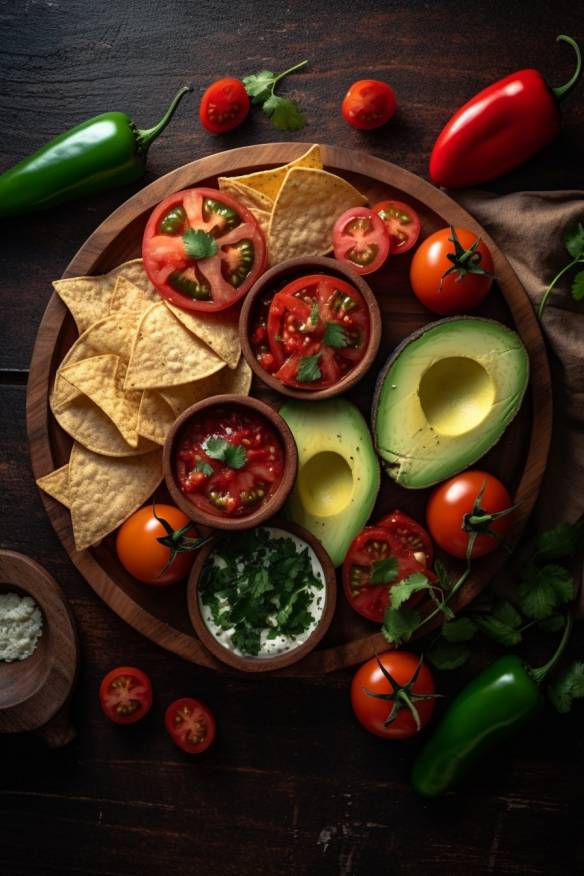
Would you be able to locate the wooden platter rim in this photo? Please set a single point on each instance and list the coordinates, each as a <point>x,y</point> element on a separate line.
<point>231,161</point>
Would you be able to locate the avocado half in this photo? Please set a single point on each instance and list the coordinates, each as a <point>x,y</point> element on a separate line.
<point>446,396</point>
<point>338,472</point>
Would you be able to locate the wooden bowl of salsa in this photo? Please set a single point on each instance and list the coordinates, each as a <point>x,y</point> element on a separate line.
<point>230,462</point>
<point>310,328</point>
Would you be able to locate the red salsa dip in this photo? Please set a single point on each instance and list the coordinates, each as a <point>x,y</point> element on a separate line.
<point>229,461</point>
<point>311,333</point>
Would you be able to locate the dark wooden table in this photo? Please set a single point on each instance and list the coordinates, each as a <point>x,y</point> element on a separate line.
<point>292,785</point>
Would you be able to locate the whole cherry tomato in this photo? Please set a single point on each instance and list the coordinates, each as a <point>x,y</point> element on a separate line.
<point>369,104</point>
<point>144,556</point>
<point>224,105</point>
<point>452,271</point>
<point>190,725</point>
<point>393,695</point>
<point>453,505</point>
<point>125,695</point>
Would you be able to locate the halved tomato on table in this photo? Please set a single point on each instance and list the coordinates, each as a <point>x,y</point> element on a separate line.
<point>375,561</point>
<point>361,240</point>
<point>402,223</point>
<point>190,725</point>
<point>203,250</point>
<point>125,695</point>
<point>312,332</point>
<point>224,105</point>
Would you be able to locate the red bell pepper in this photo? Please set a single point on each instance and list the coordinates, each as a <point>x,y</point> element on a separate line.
<point>500,127</point>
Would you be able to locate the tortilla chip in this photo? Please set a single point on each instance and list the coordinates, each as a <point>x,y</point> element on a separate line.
<point>156,416</point>
<point>247,197</point>
<point>104,492</point>
<point>269,182</point>
<point>219,332</point>
<point>165,353</point>
<point>101,379</point>
<point>305,211</point>
<point>182,397</point>
<point>89,426</point>
<point>88,298</point>
<point>129,298</point>
<point>263,217</point>
<point>56,484</point>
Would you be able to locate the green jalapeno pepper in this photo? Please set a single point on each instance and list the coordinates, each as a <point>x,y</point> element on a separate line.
<point>494,706</point>
<point>100,153</point>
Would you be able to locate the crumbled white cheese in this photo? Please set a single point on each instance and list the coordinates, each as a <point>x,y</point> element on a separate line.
<point>21,626</point>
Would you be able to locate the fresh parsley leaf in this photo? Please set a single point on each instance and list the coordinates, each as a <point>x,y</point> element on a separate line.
<point>507,614</point>
<point>400,623</point>
<point>402,591</point>
<point>314,314</point>
<point>199,244</point>
<point>567,687</point>
<point>460,630</point>
<point>204,467</point>
<point>574,239</point>
<point>560,543</point>
<point>233,455</point>
<point>384,571</point>
<point>497,630</point>
<point>258,85</point>
<point>577,288</point>
<point>284,113</point>
<point>335,336</point>
<point>309,369</point>
<point>448,655</point>
<point>543,590</point>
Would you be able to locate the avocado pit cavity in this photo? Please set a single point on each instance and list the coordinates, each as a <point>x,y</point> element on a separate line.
<point>456,394</point>
<point>325,484</point>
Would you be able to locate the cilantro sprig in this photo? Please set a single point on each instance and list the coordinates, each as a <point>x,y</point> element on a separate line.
<point>284,113</point>
<point>335,336</point>
<point>199,244</point>
<point>309,369</point>
<point>233,455</point>
<point>574,243</point>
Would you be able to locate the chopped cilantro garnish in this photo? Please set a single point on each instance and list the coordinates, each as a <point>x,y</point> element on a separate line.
<point>199,244</point>
<point>309,369</point>
<point>233,455</point>
<point>335,335</point>
<point>204,467</point>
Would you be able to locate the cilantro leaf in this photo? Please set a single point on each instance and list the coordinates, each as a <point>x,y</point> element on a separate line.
<point>577,288</point>
<point>447,655</point>
<point>199,244</point>
<point>309,369</point>
<point>574,239</point>
<point>506,613</point>
<point>402,591</point>
<point>384,571</point>
<point>444,580</point>
<point>542,590</point>
<point>400,623</point>
<point>567,688</point>
<point>284,113</point>
<point>335,335</point>
<point>559,543</point>
<point>204,467</point>
<point>314,312</point>
<point>258,85</point>
<point>233,455</point>
<point>497,630</point>
<point>460,630</point>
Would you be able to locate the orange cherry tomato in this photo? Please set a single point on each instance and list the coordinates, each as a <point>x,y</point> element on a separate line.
<point>143,556</point>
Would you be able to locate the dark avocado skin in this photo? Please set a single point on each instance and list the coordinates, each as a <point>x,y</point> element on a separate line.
<point>395,355</point>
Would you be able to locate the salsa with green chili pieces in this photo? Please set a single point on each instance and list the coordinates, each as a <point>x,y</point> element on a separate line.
<point>229,461</point>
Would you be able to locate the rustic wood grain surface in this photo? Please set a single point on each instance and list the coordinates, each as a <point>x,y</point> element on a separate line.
<point>292,786</point>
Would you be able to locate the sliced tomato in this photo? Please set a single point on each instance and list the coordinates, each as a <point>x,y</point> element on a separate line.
<point>361,240</point>
<point>402,223</point>
<point>368,104</point>
<point>232,247</point>
<point>411,535</point>
<point>125,695</point>
<point>224,105</point>
<point>373,547</point>
<point>190,725</point>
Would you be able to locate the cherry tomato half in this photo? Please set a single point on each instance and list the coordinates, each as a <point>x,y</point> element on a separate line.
<point>190,725</point>
<point>143,556</point>
<point>213,268</point>
<point>369,554</point>
<point>373,712</point>
<point>402,223</point>
<point>410,534</point>
<point>369,104</point>
<point>125,695</point>
<point>457,292</point>
<point>360,240</point>
<point>224,105</point>
<point>451,501</point>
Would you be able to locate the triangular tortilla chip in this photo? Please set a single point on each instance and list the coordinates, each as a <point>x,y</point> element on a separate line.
<point>219,332</point>
<point>224,382</point>
<point>165,353</point>
<point>56,484</point>
<point>156,417</point>
<point>88,425</point>
<point>104,491</point>
<point>247,197</point>
<point>127,297</point>
<point>269,182</point>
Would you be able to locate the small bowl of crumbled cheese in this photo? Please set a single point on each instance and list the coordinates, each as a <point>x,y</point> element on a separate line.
<point>262,599</point>
<point>21,626</point>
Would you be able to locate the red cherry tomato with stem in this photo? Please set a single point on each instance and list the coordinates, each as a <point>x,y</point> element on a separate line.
<point>402,223</point>
<point>190,725</point>
<point>224,105</point>
<point>361,240</point>
<point>368,104</point>
<point>125,695</point>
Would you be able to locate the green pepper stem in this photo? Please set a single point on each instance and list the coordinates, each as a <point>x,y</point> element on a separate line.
<point>147,136</point>
<point>539,673</point>
<point>561,91</point>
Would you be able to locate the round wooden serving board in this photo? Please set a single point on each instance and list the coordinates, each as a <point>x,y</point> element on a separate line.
<point>519,459</point>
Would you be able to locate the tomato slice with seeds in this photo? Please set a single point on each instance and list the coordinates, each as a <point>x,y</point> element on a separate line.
<point>203,250</point>
<point>402,223</point>
<point>369,552</point>
<point>224,105</point>
<point>361,240</point>
<point>312,332</point>
<point>190,725</point>
<point>410,534</point>
<point>125,695</point>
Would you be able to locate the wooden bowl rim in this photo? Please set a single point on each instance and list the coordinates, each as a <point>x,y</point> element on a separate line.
<point>313,264</point>
<point>279,661</point>
<point>284,488</point>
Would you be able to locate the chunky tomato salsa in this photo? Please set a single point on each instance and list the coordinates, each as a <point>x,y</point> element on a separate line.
<point>311,333</point>
<point>229,461</point>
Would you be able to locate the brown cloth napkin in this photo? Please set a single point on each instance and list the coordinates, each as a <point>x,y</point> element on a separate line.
<point>529,227</point>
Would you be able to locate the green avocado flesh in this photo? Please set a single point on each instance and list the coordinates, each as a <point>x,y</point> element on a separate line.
<point>338,472</point>
<point>445,398</point>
